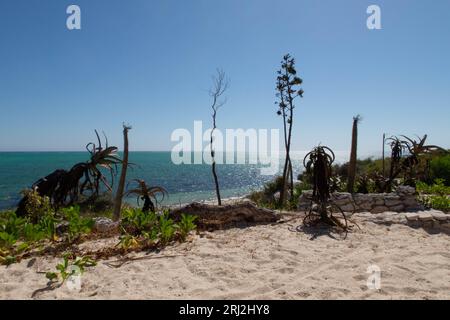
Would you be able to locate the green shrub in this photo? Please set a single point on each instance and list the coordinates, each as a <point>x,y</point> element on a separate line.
<point>438,188</point>
<point>186,225</point>
<point>266,197</point>
<point>440,169</point>
<point>167,228</point>
<point>17,234</point>
<point>11,224</point>
<point>434,196</point>
<point>437,202</point>
<point>36,205</point>
<point>77,225</point>
<point>47,224</point>
<point>135,221</point>
<point>144,228</point>
<point>32,232</point>
<point>7,241</point>
<point>128,241</point>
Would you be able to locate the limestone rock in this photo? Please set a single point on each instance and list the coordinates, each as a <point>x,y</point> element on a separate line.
<point>277,196</point>
<point>425,217</point>
<point>379,209</point>
<point>348,207</point>
<point>398,208</point>
<point>411,216</point>
<point>361,198</point>
<point>405,190</point>
<point>392,200</point>
<point>410,202</point>
<point>365,206</point>
<point>105,225</point>
<point>440,216</point>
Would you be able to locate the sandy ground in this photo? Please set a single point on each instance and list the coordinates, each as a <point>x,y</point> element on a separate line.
<point>261,262</point>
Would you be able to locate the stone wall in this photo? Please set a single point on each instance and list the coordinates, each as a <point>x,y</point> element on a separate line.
<point>404,199</point>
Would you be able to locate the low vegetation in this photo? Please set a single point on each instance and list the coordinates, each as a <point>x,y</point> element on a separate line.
<point>46,230</point>
<point>68,268</point>
<point>21,236</point>
<point>436,195</point>
<point>149,229</point>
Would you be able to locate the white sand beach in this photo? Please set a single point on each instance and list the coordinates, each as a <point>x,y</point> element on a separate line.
<point>260,262</point>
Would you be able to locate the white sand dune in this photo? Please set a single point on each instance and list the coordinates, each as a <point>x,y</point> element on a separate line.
<point>261,262</point>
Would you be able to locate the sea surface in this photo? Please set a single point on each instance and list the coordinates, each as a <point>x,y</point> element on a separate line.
<point>185,182</point>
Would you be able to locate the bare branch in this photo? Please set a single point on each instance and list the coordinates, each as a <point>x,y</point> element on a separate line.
<point>220,85</point>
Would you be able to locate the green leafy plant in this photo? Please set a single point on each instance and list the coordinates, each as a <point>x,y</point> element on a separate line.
<point>135,220</point>
<point>7,240</point>
<point>10,223</point>
<point>77,225</point>
<point>65,269</point>
<point>6,258</point>
<point>437,188</point>
<point>47,224</point>
<point>434,196</point>
<point>32,232</point>
<point>167,228</point>
<point>128,241</point>
<point>438,202</point>
<point>186,225</point>
<point>36,205</point>
<point>440,168</point>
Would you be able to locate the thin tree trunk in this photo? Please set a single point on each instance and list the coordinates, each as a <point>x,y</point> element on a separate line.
<point>291,177</point>
<point>288,173</point>
<point>287,170</point>
<point>286,165</point>
<point>123,175</point>
<point>384,158</point>
<point>216,181</point>
<point>213,167</point>
<point>353,156</point>
<point>291,173</point>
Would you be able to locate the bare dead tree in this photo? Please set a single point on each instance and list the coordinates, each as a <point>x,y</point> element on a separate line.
<point>220,85</point>
<point>123,175</point>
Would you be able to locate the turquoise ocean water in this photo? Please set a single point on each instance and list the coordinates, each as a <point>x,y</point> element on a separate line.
<point>19,170</point>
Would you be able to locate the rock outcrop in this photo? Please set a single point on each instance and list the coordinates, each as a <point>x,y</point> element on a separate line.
<point>212,217</point>
<point>403,199</point>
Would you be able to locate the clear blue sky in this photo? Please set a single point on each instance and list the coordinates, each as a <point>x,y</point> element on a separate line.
<point>149,62</point>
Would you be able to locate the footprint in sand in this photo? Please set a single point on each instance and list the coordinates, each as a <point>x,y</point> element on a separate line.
<point>285,270</point>
<point>360,277</point>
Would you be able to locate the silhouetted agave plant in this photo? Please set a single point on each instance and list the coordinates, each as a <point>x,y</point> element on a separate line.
<point>63,187</point>
<point>100,157</point>
<point>319,162</point>
<point>417,150</point>
<point>406,158</point>
<point>147,194</point>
